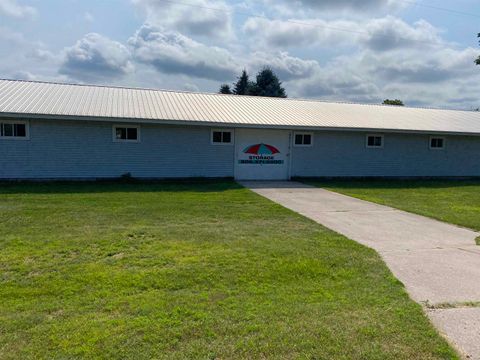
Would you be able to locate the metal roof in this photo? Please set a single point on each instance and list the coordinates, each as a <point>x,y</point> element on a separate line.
<point>52,100</point>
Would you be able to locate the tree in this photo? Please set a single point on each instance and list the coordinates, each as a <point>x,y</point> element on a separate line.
<point>268,84</point>
<point>243,84</point>
<point>478,59</point>
<point>225,89</point>
<point>395,102</point>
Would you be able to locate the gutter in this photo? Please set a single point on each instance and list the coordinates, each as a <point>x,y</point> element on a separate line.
<point>222,124</point>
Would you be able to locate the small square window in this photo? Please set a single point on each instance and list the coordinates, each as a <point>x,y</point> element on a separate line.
<point>437,143</point>
<point>303,139</point>
<point>129,134</point>
<point>374,141</point>
<point>220,137</point>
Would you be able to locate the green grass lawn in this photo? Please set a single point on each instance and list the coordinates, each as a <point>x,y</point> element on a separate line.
<point>454,201</point>
<point>191,271</point>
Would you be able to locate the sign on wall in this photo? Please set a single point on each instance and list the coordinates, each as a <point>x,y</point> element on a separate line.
<point>261,154</point>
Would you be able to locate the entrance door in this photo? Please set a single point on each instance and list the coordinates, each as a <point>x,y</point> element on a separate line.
<point>262,154</point>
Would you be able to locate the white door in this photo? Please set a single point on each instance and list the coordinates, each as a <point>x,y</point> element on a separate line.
<point>262,154</point>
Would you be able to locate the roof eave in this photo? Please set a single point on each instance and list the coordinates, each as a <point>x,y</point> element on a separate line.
<point>227,124</point>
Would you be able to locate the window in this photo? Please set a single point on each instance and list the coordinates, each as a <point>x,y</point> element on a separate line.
<point>303,139</point>
<point>437,143</point>
<point>221,137</point>
<point>14,130</point>
<point>126,133</point>
<point>374,141</point>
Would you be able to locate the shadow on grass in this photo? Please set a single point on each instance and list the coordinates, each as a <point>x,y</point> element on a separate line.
<point>375,183</point>
<point>106,186</point>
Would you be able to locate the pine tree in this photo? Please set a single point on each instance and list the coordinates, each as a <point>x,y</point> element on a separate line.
<point>225,89</point>
<point>243,84</point>
<point>268,84</point>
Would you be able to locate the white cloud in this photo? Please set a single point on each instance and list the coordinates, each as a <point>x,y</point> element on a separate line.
<point>39,54</point>
<point>286,67</point>
<point>173,53</point>
<point>331,8</point>
<point>299,33</point>
<point>338,84</point>
<point>14,9</point>
<point>386,58</point>
<point>439,77</point>
<point>383,34</point>
<point>392,33</point>
<point>416,66</point>
<point>94,58</point>
<point>25,59</point>
<point>207,18</point>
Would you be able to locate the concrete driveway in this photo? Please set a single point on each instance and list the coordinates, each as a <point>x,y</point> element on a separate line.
<point>438,263</point>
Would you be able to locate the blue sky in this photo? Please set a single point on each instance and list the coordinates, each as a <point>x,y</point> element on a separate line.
<point>347,50</point>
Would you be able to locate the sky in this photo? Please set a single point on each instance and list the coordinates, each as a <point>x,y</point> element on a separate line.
<point>421,52</point>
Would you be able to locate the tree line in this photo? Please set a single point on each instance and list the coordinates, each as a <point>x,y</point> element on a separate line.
<point>267,84</point>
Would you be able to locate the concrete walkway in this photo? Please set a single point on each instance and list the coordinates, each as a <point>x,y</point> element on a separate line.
<point>437,262</point>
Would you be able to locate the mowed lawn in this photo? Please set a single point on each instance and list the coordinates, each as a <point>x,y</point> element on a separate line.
<point>191,271</point>
<point>452,201</point>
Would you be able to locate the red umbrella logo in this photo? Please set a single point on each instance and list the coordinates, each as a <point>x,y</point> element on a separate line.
<point>261,149</point>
